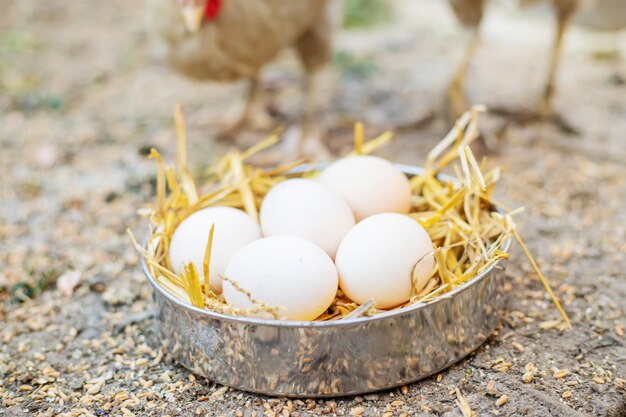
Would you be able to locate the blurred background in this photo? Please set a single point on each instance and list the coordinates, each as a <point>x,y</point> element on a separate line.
<point>83,100</point>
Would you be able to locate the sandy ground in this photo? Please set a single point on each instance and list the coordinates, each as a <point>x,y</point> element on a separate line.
<point>82,101</point>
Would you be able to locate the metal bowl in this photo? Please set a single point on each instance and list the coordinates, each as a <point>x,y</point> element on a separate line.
<point>334,358</point>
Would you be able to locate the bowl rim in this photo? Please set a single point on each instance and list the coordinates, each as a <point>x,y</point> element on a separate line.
<point>407,169</point>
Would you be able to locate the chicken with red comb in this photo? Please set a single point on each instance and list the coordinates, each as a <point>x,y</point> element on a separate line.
<point>229,40</point>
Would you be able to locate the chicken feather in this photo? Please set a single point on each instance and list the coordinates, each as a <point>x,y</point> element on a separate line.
<point>244,37</point>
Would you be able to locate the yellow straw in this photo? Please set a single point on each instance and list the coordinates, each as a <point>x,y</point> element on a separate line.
<point>543,279</point>
<point>358,138</point>
<point>207,261</point>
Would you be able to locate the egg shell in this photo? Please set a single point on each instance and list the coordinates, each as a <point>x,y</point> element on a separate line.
<point>370,185</point>
<point>376,258</point>
<point>283,271</point>
<point>306,209</point>
<point>233,230</point>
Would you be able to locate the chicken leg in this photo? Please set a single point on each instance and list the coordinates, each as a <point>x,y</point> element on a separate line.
<point>456,96</point>
<point>253,115</point>
<point>311,130</point>
<point>305,139</point>
<point>470,14</point>
<point>564,10</point>
<point>314,50</point>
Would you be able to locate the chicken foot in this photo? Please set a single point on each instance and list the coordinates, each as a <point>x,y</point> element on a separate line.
<point>253,116</point>
<point>565,10</point>
<point>305,140</point>
<point>456,97</point>
<point>311,131</point>
<point>470,14</point>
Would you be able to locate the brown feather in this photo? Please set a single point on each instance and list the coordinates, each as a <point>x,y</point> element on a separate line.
<point>244,36</point>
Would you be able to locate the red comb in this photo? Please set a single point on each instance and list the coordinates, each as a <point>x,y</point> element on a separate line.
<point>212,9</point>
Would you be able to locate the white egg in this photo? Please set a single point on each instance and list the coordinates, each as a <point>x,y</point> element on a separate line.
<point>378,256</point>
<point>233,230</point>
<point>286,272</point>
<point>370,185</point>
<point>306,209</point>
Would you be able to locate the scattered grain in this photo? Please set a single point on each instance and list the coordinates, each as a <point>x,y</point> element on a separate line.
<point>502,400</point>
<point>517,347</point>
<point>357,411</point>
<point>219,392</point>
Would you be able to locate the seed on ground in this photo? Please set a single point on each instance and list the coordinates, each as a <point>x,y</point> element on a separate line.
<point>567,394</point>
<point>598,380</point>
<point>94,389</point>
<point>357,411</point>
<point>550,324</point>
<point>220,392</point>
<point>517,347</point>
<point>502,400</point>
<point>560,373</point>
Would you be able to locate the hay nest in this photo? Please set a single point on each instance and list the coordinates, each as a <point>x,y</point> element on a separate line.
<point>469,229</point>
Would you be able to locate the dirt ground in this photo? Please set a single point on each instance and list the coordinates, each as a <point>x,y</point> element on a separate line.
<point>82,101</point>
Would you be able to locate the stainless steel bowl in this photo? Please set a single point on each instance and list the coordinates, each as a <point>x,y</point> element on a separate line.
<point>335,358</point>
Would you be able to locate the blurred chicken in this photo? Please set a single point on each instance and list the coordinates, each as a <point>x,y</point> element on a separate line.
<point>605,15</point>
<point>597,14</point>
<point>228,40</point>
